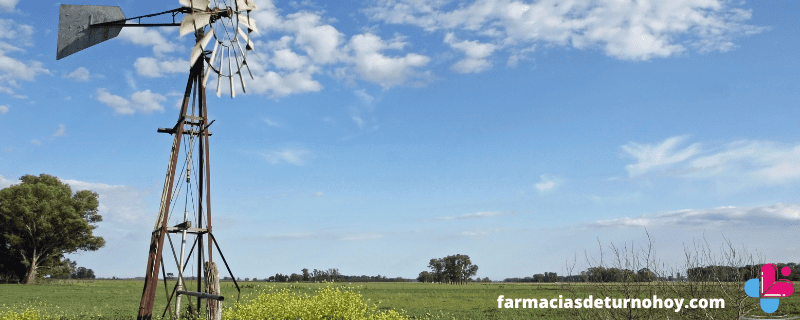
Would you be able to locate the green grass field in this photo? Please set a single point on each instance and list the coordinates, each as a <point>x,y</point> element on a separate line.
<point>119,299</point>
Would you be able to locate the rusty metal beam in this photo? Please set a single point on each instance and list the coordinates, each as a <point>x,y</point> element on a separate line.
<point>160,229</point>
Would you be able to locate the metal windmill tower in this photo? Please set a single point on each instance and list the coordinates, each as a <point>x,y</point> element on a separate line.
<point>225,21</point>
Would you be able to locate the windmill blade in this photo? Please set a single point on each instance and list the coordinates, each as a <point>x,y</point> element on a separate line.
<point>246,39</point>
<point>210,63</point>
<point>244,59</point>
<point>239,69</point>
<point>219,72</point>
<point>194,21</point>
<point>199,47</point>
<point>250,23</point>
<point>74,33</point>
<point>195,4</point>
<point>246,5</point>
<point>244,63</point>
<point>230,70</point>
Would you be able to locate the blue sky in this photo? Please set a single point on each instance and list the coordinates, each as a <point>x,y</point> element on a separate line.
<point>377,135</point>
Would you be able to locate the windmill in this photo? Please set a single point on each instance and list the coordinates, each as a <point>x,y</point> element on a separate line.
<point>229,24</point>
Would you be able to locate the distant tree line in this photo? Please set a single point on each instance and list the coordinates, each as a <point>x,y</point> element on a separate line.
<point>594,274</point>
<point>708,273</point>
<point>454,269</point>
<point>330,275</point>
<point>726,273</point>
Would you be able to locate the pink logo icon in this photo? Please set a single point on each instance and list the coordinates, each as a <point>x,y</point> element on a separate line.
<point>771,285</point>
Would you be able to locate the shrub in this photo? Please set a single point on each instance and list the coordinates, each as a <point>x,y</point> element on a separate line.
<point>28,314</point>
<point>327,303</point>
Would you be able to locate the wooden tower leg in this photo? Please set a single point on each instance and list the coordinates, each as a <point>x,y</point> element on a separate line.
<point>160,229</point>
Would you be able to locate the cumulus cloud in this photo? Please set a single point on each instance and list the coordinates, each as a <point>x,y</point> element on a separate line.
<point>474,215</point>
<point>476,54</point>
<point>628,30</point>
<point>376,67</point>
<point>320,41</point>
<point>154,68</point>
<point>293,156</point>
<point>119,204</point>
<point>148,37</point>
<point>287,59</point>
<point>5,183</point>
<point>13,70</point>
<point>3,109</point>
<point>81,74</point>
<point>61,131</point>
<point>140,101</point>
<point>780,213</point>
<point>273,123</point>
<point>8,5</point>
<point>280,85</point>
<point>548,182</point>
<point>650,157</point>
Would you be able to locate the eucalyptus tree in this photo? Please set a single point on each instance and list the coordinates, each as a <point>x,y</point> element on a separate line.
<point>41,219</point>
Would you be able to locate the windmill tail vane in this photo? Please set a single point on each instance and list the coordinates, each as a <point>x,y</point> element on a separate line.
<point>83,26</point>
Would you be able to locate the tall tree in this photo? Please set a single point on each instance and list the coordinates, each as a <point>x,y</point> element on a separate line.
<point>41,219</point>
<point>305,274</point>
<point>437,268</point>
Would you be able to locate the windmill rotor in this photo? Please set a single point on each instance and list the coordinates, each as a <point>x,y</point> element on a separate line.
<point>229,23</point>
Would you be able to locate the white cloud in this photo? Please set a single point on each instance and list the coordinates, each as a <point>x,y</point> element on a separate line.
<point>292,235</point>
<point>22,34</point>
<point>36,142</point>
<point>318,194</point>
<point>548,182</point>
<point>293,156</point>
<point>361,93</point>
<point>5,183</point>
<point>474,233</point>
<point>119,204</point>
<point>8,5</point>
<point>287,59</point>
<point>61,131</point>
<point>281,85</point>
<point>13,70</point>
<point>3,109</point>
<point>148,37</point>
<point>737,164</point>
<point>780,213</point>
<point>476,54</point>
<point>474,215</point>
<point>81,74</point>
<point>628,30</point>
<point>130,80</point>
<point>153,68</point>
<point>321,42</point>
<point>273,123</point>
<point>650,157</point>
<point>376,67</point>
<point>140,101</point>
<point>363,236</point>
<point>618,199</point>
